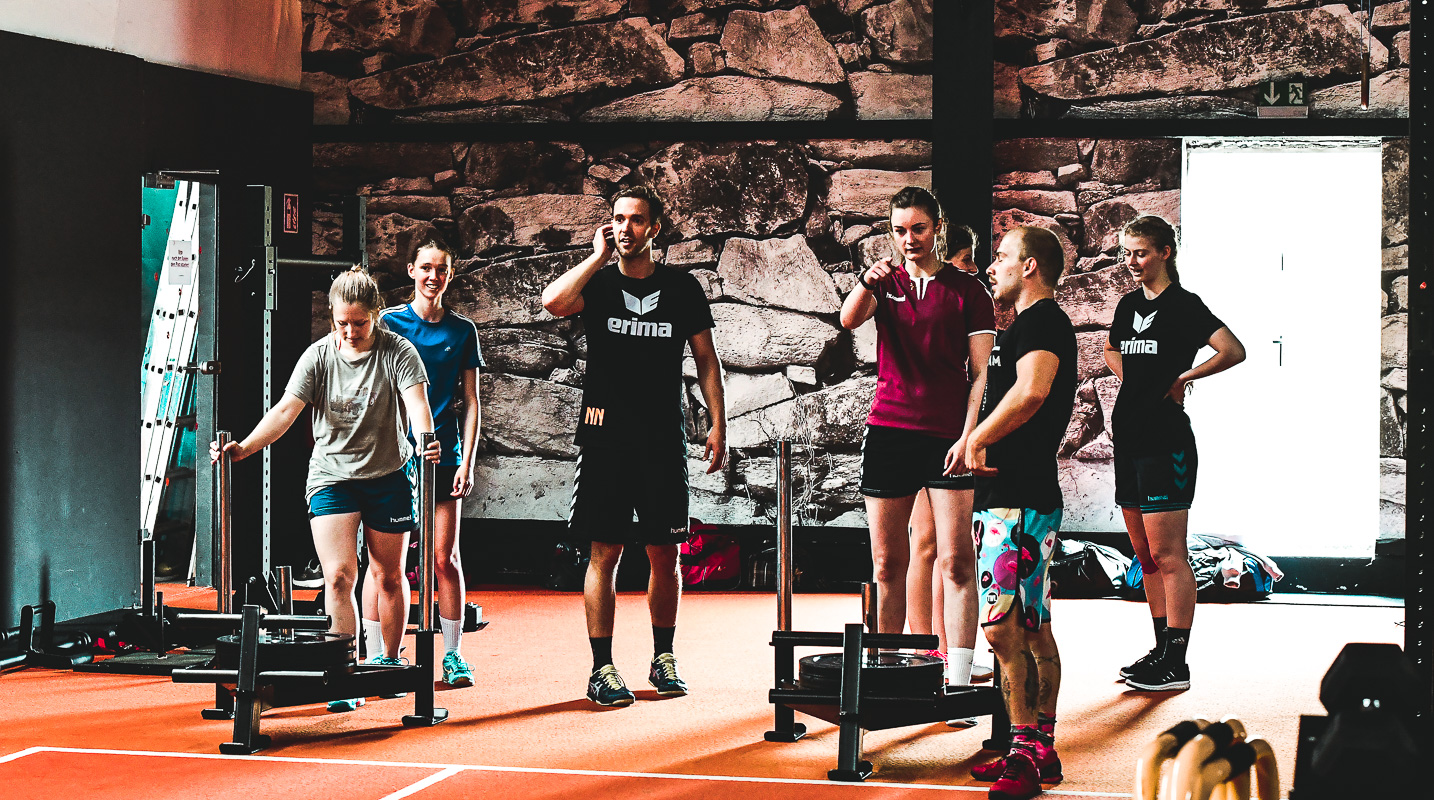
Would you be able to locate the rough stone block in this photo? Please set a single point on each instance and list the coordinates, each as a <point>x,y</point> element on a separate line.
<point>706,58</point>
<point>1088,488</point>
<point>524,351</point>
<point>1131,161</point>
<point>1084,21</point>
<point>524,416</point>
<point>718,187</point>
<point>531,67</point>
<point>896,154</point>
<point>1394,341</point>
<point>415,206</point>
<point>1388,97</point>
<point>868,192</point>
<point>1031,155</point>
<point>782,273</point>
<point>510,292</point>
<point>806,376</point>
<point>1008,91</point>
<point>547,219</point>
<point>520,487</point>
<point>409,27</point>
<point>900,31</point>
<point>780,44</point>
<point>750,392</point>
<point>1316,43</point>
<point>722,98</point>
<point>1041,179</point>
<point>694,26</point>
<point>753,338</point>
<point>1036,201</point>
<point>1089,298</point>
<point>1394,259</point>
<point>891,95</point>
<point>691,253</point>
<point>1395,161</point>
<point>1090,355</point>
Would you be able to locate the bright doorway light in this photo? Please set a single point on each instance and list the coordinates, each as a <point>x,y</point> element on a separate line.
<point>1281,239</point>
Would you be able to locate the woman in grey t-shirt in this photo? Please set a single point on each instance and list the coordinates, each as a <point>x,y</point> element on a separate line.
<point>360,380</point>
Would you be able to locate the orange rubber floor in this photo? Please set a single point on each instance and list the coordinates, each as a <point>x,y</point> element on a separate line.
<point>525,731</point>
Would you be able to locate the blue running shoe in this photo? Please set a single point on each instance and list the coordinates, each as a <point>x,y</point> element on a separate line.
<point>605,687</point>
<point>456,672</point>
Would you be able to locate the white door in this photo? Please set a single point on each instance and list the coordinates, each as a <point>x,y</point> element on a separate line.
<point>1282,243</point>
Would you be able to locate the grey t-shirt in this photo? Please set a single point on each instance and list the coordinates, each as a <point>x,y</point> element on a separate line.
<point>359,426</point>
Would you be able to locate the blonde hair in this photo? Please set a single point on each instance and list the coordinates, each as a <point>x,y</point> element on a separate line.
<point>356,287</point>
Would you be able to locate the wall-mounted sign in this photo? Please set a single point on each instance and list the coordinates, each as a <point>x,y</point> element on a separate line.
<point>180,262</point>
<point>291,213</point>
<point>1282,99</point>
<point>1281,93</point>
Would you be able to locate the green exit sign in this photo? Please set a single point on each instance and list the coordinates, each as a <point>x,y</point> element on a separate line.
<point>1281,93</point>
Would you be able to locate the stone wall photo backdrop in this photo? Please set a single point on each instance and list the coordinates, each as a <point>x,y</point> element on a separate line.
<point>1142,59</point>
<point>475,61</point>
<point>774,230</point>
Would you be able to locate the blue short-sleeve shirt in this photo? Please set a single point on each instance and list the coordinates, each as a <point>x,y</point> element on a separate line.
<point>447,347</point>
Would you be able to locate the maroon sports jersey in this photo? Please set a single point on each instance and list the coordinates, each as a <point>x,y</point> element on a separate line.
<point>922,327</point>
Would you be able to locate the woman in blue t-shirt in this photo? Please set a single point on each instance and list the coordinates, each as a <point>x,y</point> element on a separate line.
<point>448,345</point>
<point>1157,331</point>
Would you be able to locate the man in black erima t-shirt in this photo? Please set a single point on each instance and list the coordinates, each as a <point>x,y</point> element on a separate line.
<point>1030,388</point>
<point>638,317</point>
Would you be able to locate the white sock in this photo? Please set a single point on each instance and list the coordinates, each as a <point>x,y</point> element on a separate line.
<point>373,638</point>
<point>452,632</point>
<point>958,666</point>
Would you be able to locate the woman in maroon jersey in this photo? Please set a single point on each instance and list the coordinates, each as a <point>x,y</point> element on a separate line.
<point>931,320</point>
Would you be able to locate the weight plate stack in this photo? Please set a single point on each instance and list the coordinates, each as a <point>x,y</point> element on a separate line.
<point>306,651</point>
<point>890,675</point>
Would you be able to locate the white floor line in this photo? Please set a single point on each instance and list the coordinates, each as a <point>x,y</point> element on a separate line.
<point>423,784</point>
<point>544,771</point>
<point>21,754</point>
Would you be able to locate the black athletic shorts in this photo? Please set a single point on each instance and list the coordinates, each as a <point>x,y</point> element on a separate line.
<point>896,462</point>
<point>1155,483</point>
<point>613,485</point>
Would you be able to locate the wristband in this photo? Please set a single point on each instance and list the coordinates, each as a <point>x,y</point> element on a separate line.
<point>861,279</point>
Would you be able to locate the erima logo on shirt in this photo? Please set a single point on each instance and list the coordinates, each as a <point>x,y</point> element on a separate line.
<point>646,304</point>
<point>1147,347</point>
<point>636,327</point>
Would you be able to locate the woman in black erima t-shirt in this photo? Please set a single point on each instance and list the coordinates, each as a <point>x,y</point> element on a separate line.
<point>1156,333</point>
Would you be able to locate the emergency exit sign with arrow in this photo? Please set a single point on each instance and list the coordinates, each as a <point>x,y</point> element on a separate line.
<point>1281,99</point>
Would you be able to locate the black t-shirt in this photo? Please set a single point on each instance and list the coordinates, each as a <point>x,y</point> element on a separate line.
<point>636,332</point>
<point>1025,459</point>
<point>1157,340</point>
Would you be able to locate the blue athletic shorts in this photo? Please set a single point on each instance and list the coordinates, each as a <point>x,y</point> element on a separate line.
<point>385,503</point>
<point>1013,557</point>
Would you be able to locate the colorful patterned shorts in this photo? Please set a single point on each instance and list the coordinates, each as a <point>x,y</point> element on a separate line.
<point>1013,557</point>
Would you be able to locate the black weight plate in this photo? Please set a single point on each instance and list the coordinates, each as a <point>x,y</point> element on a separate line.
<point>306,651</point>
<point>892,674</point>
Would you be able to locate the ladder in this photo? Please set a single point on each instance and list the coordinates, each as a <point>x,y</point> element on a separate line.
<point>168,357</point>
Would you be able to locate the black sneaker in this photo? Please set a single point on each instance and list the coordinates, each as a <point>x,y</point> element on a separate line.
<point>310,577</point>
<point>605,687</point>
<point>664,678</point>
<point>1161,677</point>
<point>1142,663</point>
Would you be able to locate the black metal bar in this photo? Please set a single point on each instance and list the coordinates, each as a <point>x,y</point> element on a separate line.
<point>247,706</point>
<point>850,766</point>
<point>232,676</point>
<point>424,712</point>
<point>146,574</point>
<point>322,263</point>
<point>911,641</point>
<point>270,621</point>
<point>962,108</point>
<point>785,727</point>
<point>1419,446</point>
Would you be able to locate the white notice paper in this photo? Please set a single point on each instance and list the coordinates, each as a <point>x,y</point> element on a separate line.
<point>180,262</point>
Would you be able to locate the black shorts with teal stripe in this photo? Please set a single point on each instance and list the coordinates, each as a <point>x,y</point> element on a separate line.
<point>1155,483</point>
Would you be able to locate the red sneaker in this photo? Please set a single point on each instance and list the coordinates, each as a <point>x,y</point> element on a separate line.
<point>1020,780</point>
<point>1048,764</point>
